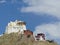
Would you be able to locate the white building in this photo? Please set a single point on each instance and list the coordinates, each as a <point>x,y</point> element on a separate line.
<point>40,37</point>
<point>15,26</point>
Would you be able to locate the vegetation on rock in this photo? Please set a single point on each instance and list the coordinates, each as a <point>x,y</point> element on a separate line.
<point>15,39</point>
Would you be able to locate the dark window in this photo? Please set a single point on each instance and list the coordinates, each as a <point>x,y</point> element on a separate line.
<point>37,39</point>
<point>28,36</point>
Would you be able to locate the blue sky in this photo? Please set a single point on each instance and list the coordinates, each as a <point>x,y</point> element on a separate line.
<point>40,17</point>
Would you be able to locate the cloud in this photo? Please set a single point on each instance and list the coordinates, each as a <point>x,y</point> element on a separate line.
<point>2,1</point>
<point>50,7</point>
<point>13,1</point>
<point>52,30</point>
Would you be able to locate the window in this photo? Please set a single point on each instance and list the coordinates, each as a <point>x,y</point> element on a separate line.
<point>28,36</point>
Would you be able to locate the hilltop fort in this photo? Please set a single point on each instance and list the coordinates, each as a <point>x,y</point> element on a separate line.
<point>17,34</point>
<point>20,27</point>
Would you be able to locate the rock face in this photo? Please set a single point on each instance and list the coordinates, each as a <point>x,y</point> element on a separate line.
<point>21,39</point>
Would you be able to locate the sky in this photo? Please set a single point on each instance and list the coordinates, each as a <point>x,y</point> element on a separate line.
<point>41,16</point>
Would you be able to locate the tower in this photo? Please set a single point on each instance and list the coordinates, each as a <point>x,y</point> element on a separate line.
<point>15,26</point>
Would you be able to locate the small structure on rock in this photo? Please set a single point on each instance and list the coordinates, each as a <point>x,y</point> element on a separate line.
<point>40,37</point>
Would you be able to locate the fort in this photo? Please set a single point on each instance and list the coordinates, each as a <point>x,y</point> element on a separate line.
<point>20,28</point>
<point>16,33</point>
<point>15,26</point>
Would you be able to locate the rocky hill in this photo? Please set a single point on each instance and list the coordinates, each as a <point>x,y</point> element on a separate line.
<point>19,39</point>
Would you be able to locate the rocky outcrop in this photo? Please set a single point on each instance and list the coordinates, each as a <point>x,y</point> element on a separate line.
<point>21,39</point>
